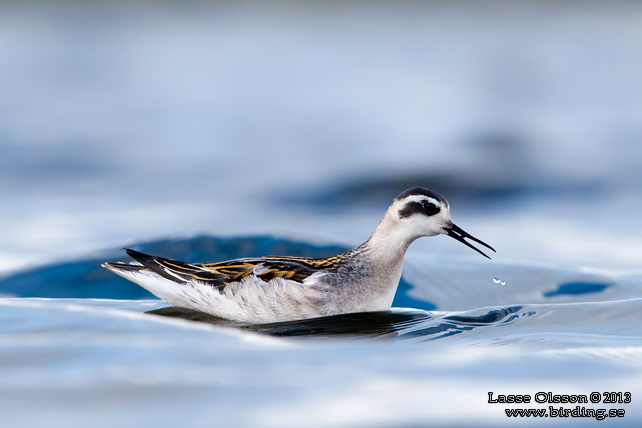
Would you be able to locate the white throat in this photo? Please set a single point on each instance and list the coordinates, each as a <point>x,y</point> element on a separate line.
<point>389,241</point>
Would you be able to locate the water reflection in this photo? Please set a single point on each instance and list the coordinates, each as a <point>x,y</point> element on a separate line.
<point>393,324</point>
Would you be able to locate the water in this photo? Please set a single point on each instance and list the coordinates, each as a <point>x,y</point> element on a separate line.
<point>126,359</point>
<point>208,130</point>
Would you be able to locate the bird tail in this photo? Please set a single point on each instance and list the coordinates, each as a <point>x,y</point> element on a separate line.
<point>142,262</point>
<point>122,267</point>
<point>140,274</point>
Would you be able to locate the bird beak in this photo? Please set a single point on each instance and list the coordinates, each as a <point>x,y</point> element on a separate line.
<point>459,234</point>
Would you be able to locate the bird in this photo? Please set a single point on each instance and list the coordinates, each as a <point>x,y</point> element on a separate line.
<point>273,289</point>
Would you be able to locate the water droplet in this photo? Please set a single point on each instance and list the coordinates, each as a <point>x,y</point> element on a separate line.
<point>496,280</point>
<point>503,282</point>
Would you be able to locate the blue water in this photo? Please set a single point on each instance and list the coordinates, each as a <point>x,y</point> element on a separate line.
<point>96,349</point>
<point>206,131</point>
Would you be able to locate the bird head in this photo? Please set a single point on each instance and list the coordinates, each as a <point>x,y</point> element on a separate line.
<point>422,212</point>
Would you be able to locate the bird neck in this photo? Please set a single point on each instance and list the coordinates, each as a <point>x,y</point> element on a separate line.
<point>388,244</point>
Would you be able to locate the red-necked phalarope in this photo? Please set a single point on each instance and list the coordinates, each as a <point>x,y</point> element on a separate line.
<point>272,289</point>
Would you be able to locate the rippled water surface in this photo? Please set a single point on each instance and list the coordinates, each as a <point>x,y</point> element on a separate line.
<point>123,360</point>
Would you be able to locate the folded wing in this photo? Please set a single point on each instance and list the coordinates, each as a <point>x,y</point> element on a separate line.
<point>218,275</point>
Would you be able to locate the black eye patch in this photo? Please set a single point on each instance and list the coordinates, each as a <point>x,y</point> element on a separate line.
<point>430,208</point>
<point>425,208</point>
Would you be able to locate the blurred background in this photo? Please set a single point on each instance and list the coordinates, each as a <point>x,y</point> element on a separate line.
<point>123,121</point>
<point>224,128</point>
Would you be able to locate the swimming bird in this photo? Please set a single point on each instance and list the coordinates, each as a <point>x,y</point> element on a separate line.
<point>274,289</point>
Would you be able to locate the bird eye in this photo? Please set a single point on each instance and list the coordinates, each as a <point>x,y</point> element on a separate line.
<point>430,208</point>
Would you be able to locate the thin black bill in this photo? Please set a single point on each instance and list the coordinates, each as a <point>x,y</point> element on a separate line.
<point>460,235</point>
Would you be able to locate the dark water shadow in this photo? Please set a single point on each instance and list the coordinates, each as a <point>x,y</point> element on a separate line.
<point>576,288</point>
<point>394,324</point>
<point>86,279</point>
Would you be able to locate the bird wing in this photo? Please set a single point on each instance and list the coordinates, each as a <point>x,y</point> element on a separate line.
<point>220,274</point>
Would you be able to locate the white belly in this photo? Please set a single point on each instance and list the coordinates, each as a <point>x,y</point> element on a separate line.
<point>250,300</point>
